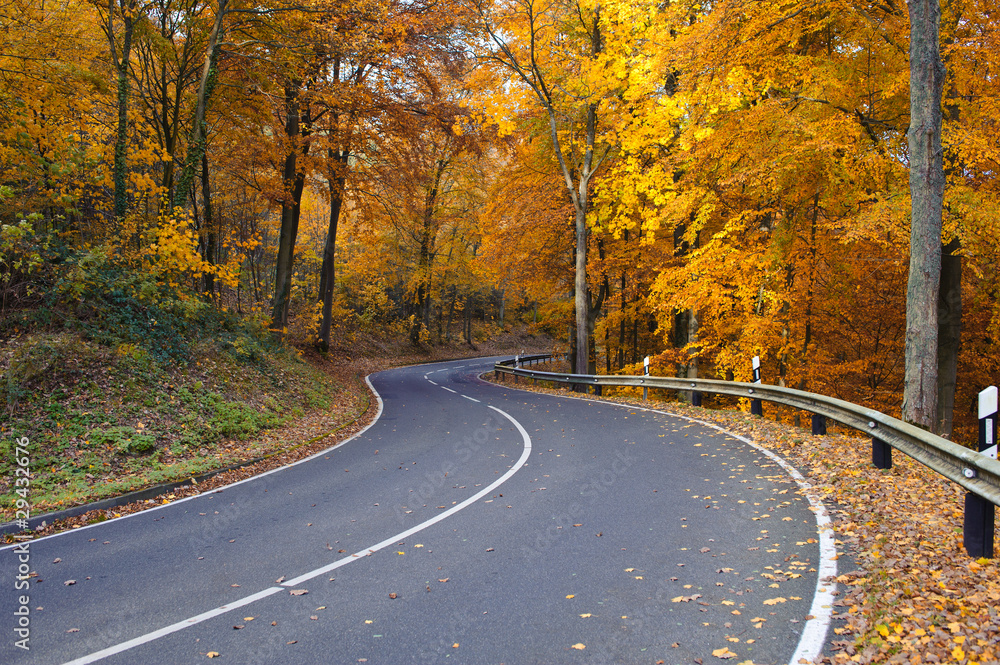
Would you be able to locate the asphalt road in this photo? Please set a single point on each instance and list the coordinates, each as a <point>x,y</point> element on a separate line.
<point>471,523</point>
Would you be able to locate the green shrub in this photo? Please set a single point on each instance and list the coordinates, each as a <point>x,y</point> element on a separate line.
<point>124,440</point>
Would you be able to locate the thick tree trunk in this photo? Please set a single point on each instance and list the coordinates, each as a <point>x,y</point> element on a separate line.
<point>949,334</point>
<point>927,194</point>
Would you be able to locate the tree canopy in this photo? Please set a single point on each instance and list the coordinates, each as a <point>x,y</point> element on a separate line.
<point>696,182</point>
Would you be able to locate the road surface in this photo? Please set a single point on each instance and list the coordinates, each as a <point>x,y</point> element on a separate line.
<point>470,523</point>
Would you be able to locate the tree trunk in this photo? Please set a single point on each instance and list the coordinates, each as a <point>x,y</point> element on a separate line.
<point>291,206</point>
<point>949,334</point>
<point>199,131</point>
<point>211,249</point>
<point>121,139</point>
<point>327,280</point>
<point>121,65</point>
<point>427,240</point>
<point>581,295</point>
<point>621,318</point>
<point>468,320</point>
<point>451,314</point>
<point>927,194</point>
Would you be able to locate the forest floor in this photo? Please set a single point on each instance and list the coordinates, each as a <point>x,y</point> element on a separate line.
<point>103,422</point>
<point>912,594</point>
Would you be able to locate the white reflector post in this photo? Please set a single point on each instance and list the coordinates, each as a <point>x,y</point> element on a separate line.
<point>979,513</point>
<point>645,366</point>
<point>988,422</point>
<point>756,369</point>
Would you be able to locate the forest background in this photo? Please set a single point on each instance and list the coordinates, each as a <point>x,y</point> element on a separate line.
<point>696,182</point>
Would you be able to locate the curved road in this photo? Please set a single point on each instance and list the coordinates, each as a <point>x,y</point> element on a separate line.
<point>471,523</point>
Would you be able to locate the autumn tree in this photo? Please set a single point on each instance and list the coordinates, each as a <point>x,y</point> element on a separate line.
<point>119,21</point>
<point>553,49</point>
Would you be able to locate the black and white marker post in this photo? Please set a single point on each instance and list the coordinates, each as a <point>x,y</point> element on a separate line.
<point>645,372</point>
<point>756,409</point>
<point>979,513</point>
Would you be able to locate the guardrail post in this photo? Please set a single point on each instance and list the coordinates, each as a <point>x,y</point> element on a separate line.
<point>980,513</point>
<point>818,424</point>
<point>597,389</point>
<point>881,454</point>
<point>695,398</point>
<point>756,408</point>
<point>645,372</point>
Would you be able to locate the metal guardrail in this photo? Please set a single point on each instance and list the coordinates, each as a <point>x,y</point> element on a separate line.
<point>954,462</point>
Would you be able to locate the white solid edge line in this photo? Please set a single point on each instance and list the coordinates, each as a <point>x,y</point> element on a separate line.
<point>815,630</point>
<point>378,414</point>
<point>434,520</point>
<point>180,625</point>
<point>471,398</point>
<point>173,628</point>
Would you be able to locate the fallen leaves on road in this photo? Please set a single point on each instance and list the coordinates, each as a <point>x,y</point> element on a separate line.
<point>579,646</point>
<point>298,592</point>
<point>916,590</point>
<point>685,599</point>
<point>724,653</point>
